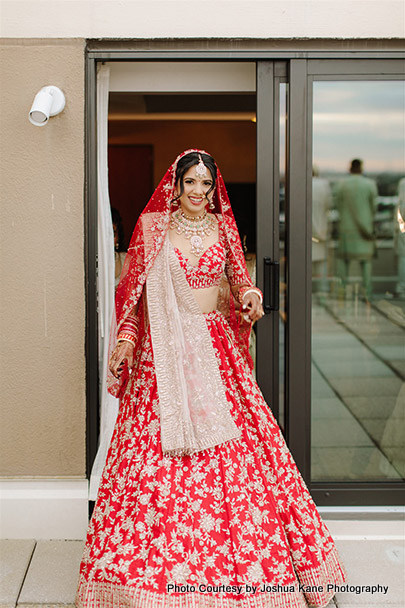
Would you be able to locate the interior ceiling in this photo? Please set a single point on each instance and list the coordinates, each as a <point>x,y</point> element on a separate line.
<point>134,103</point>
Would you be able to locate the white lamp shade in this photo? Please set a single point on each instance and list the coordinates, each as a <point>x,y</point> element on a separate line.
<point>48,102</point>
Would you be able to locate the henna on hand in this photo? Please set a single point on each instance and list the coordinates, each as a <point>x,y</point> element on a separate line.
<point>123,351</point>
<point>252,307</point>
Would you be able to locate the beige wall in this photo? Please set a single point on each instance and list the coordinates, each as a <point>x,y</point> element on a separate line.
<point>42,272</point>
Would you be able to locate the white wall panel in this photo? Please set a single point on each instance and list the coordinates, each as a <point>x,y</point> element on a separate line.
<point>196,19</point>
<point>44,508</point>
<point>147,77</point>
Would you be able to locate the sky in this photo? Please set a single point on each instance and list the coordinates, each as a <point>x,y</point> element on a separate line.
<point>359,119</point>
<point>355,119</point>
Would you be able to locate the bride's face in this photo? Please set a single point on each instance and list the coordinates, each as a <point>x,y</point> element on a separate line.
<point>193,199</point>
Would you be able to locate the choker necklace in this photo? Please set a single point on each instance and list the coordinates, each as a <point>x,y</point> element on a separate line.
<point>194,228</point>
<point>194,218</point>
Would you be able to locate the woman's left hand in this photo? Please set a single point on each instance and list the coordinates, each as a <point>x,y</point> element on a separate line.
<point>252,307</point>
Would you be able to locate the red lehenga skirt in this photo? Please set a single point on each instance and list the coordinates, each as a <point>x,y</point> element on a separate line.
<point>232,526</point>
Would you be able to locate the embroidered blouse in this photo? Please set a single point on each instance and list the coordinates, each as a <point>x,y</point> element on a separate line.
<point>207,273</point>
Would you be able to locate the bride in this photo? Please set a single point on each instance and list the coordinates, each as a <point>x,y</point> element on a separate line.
<point>200,501</point>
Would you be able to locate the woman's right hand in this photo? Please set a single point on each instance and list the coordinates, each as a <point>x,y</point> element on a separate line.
<point>123,350</point>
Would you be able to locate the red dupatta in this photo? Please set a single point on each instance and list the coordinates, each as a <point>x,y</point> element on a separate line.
<point>146,242</point>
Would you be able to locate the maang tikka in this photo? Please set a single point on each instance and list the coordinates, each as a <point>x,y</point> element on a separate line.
<point>201,171</point>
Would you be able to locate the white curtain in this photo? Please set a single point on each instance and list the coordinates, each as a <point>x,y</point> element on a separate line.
<point>105,280</point>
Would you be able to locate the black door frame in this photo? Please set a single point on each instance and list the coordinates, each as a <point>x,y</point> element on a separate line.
<point>298,241</point>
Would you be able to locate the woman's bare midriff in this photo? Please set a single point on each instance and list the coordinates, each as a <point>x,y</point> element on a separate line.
<point>207,298</point>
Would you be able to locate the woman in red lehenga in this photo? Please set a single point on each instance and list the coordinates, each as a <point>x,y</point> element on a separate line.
<point>200,502</point>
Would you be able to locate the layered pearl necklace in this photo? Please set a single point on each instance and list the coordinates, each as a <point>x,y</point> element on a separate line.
<point>194,228</point>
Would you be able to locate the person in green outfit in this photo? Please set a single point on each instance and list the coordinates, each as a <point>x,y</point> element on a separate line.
<point>356,199</point>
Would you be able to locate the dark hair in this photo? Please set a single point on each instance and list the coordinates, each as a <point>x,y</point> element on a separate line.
<point>189,160</point>
<point>356,165</point>
<point>116,219</point>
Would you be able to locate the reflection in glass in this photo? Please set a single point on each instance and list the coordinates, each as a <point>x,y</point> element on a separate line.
<point>358,281</point>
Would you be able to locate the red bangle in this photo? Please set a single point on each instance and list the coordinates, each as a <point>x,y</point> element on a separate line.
<point>129,325</point>
<point>128,330</point>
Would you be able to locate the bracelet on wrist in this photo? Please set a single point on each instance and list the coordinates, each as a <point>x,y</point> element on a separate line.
<point>129,327</point>
<point>126,338</point>
<point>244,290</point>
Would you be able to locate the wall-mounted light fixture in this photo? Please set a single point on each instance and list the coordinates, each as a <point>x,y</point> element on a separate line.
<point>48,102</point>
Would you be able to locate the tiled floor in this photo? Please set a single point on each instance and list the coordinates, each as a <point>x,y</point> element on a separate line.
<point>358,390</point>
<point>43,574</point>
<point>39,573</point>
<point>373,563</point>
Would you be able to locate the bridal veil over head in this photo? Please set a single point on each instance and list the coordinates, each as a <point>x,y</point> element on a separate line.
<point>193,408</point>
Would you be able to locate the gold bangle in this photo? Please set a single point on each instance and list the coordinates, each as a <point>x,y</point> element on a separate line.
<point>126,340</point>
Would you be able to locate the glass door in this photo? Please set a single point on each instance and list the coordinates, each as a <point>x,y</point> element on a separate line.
<point>358,282</point>
<point>330,259</point>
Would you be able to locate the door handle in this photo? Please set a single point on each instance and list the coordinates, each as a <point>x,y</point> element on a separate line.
<point>271,283</point>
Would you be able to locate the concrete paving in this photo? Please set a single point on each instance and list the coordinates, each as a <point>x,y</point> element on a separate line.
<point>41,573</point>
<point>44,573</point>
<point>53,573</point>
<point>15,557</point>
<point>373,563</point>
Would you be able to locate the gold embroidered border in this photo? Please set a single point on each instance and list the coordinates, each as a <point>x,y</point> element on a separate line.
<point>330,571</point>
<point>109,595</point>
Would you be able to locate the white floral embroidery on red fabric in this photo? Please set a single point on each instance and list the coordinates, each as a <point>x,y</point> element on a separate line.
<point>239,513</point>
